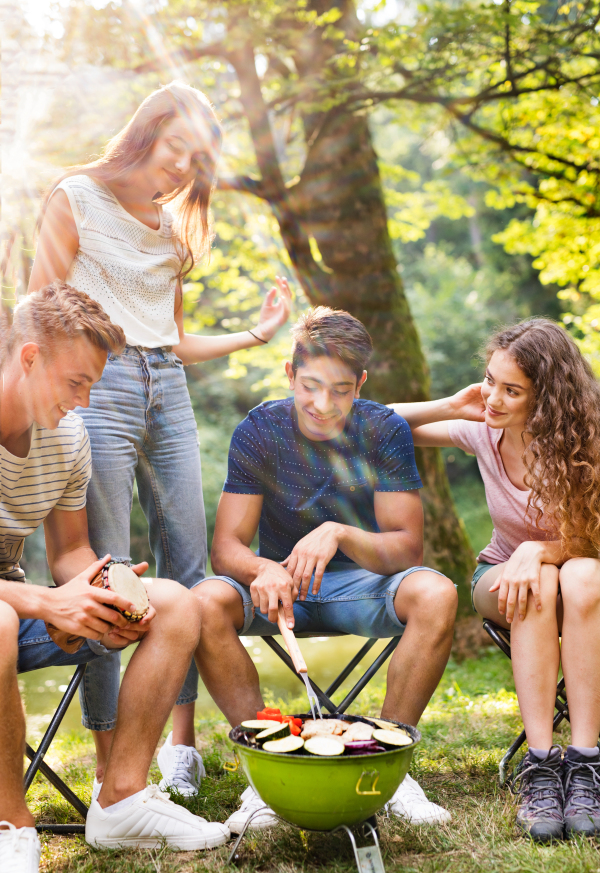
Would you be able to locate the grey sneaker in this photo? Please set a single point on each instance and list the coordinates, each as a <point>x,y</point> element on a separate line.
<point>582,793</point>
<point>539,784</point>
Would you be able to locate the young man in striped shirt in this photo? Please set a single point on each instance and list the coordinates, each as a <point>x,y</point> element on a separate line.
<point>50,357</point>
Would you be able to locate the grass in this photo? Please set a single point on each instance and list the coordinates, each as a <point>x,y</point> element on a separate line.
<point>470,721</point>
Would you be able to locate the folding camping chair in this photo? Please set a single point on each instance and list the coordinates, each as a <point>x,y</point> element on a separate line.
<point>325,696</point>
<point>38,763</point>
<point>501,637</point>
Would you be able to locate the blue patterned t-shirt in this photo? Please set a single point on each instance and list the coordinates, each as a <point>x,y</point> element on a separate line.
<point>305,482</point>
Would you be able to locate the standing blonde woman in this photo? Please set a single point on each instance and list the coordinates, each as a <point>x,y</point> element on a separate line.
<point>107,231</point>
<point>535,431</point>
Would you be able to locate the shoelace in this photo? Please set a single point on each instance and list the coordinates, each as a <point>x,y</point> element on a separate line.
<point>582,787</point>
<point>185,759</point>
<point>16,834</point>
<point>252,803</point>
<point>541,787</point>
<point>154,793</point>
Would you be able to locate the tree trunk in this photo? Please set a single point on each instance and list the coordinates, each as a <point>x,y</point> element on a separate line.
<point>339,203</point>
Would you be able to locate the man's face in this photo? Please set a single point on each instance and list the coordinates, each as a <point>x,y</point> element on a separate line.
<point>55,384</point>
<point>324,390</point>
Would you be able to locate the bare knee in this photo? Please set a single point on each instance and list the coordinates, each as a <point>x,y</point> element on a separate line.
<point>176,608</point>
<point>428,597</point>
<point>580,584</point>
<point>9,633</point>
<point>221,606</point>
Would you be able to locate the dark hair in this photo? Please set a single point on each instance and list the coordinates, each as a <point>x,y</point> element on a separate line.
<point>129,148</point>
<point>563,457</point>
<point>58,312</point>
<point>334,333</point>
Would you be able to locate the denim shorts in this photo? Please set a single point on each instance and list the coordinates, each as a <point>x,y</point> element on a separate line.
<point>37,650</point>
<point>480,569</point>
<point>351,601</point>
<point>143,431</point>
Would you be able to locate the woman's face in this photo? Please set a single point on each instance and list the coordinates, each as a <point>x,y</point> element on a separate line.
<point>506,391</point>
<point>177,155</point>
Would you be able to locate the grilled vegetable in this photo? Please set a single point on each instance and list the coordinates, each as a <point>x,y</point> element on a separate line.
<point>323,745</point>
<point>363,747</point>
<point>259,725</point>
<point>392,739</point>
<point>287,744</point>
<point>384,725</point>
<point>275,732</point>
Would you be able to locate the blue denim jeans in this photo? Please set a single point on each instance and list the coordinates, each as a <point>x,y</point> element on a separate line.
<point>37,649</point>
<point>142,428</point>
<point>349,601</point>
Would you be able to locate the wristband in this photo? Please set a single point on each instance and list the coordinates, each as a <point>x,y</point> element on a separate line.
<point>257,337</point>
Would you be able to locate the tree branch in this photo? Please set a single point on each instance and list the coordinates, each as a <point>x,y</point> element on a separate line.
<point>184,55</point>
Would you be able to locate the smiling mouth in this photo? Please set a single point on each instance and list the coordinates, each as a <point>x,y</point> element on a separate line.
<point>63,409</point>
<point>175,179</point>
<point>319,419</point>
<point>493,411</point>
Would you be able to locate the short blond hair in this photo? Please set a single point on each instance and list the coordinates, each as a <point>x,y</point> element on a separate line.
<point>59,312</point>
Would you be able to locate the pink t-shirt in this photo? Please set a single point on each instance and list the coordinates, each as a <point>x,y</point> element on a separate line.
<point>506,503</point>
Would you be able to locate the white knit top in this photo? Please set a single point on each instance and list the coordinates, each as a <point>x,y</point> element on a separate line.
<point>123,264</point>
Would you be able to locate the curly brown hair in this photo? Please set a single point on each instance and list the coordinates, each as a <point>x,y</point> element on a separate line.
<point>563,457</point>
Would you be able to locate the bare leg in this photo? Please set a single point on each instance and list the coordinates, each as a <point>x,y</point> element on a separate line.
<point>103,742</point>
<point>580,588</point>
<point>535,651</point>
<point>183,724</point>
<point>12,725</point>
<point>150,687</point>
<point>224,664</point>
<point>426,603</point>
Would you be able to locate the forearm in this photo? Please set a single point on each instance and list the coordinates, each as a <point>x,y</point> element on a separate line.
<point>426,412</point>
<point>549,551</point>
<point>230,557</point>
<point>69,564</point>
<point>382,553</point>
<point>194,349</point>
<point>27,600</point>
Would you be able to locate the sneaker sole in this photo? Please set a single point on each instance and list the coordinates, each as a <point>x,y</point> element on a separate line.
<point>166,786</point>
<point>183,844</point>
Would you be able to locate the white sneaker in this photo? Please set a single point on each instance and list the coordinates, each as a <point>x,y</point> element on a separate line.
<point>409,802</point>
<point>150,819</point>
<point>250,803</point>
<point>182,768</point>
<point>96,789</point>
<point>19,849</point>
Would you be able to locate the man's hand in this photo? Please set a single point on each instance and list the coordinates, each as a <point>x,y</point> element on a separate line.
<point>312,554</point>
<point>271,585</point>
<point>521,573</point>
<point>83,611</point>
<point>468,403</point>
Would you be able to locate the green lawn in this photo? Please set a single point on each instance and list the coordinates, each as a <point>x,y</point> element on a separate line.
<point>469,723</point>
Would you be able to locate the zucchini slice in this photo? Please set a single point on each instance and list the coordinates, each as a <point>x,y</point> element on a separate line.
<point>392,739</point>
<point>384,725</point>
<point>287,744</point>
<point>256,726</point>
<point>277,731</point>
<point>324,745</point>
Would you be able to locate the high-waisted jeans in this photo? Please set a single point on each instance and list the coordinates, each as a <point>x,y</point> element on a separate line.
<point>142,428</point>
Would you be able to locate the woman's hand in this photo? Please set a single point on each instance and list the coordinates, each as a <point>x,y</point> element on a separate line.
<point>521,573</point>
<point>468,403</point>
<point>274,315</point>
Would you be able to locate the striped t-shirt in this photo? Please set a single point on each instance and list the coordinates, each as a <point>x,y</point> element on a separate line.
<point>56,472</point>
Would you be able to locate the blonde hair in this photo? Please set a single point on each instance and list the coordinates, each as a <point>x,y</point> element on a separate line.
<point>57,313</point>
<point>132,145</point>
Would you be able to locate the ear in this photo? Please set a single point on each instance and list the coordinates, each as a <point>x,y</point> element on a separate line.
<point>30,353</point>
<point>360,383</point>
<point>290,374</point>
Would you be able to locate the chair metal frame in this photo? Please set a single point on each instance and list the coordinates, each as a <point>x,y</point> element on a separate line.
<point>37,762</point>
<point>501,637</point>
<point>325,696</point>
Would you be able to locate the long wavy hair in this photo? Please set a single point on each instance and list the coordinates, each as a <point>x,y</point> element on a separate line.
<point>563,458</point>
<point>131,146</point>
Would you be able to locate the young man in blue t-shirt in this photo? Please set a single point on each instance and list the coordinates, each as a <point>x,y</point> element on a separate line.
<point>331,484</point>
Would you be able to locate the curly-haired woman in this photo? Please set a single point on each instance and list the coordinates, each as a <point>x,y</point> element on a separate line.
<point>106,229</point>
<point>534,427</point>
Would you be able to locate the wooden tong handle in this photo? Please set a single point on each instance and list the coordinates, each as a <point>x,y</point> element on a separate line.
<point>291,642</point>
